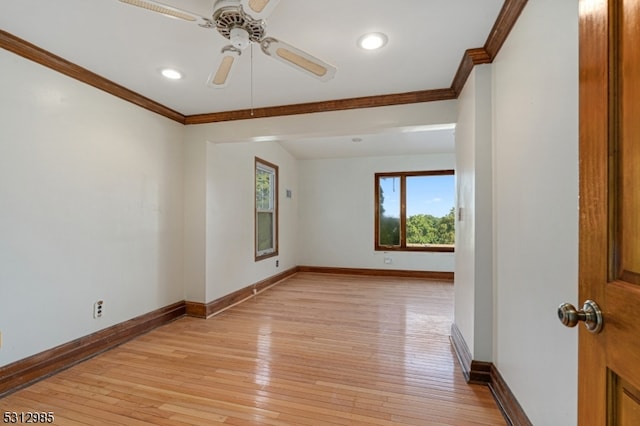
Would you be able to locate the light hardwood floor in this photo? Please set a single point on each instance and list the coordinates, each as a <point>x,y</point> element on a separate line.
<point>316,349</point>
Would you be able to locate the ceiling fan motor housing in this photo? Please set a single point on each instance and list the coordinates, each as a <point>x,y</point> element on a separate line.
<point>236,25</point>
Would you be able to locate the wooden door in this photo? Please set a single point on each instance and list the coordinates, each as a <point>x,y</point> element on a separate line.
<point>609,274</point>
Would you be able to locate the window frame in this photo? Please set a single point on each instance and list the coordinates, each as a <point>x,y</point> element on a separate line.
<point>403,211</point>
<point>260,164</point>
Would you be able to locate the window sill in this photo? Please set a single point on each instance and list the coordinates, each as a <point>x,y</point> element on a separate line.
<point>266,256</point>
<point>426,249</point>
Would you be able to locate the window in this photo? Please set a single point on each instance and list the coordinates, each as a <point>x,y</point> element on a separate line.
<point>266,220</point>
<point>415,211</point>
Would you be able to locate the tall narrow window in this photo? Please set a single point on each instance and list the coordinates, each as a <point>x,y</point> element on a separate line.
<point>415,211</point>
<point>266,219</point>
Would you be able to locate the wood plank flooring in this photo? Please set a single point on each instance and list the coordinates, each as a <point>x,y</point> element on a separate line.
<point>316,349</point>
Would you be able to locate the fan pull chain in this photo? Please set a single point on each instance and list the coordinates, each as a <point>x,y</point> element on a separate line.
<point>251,79</point>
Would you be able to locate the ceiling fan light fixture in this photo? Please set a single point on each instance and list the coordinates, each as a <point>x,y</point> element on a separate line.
<point>171,74</point>
<point>239,38</point>
<point>372,41</point>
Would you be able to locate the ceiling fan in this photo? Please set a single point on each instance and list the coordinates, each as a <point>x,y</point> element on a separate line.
<point>242,23</point>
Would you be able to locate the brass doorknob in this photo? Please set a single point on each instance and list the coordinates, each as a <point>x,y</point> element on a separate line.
<point>590,314</point>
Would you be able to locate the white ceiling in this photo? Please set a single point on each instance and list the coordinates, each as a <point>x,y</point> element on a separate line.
<point>437,139</point>
<point>129,46</point>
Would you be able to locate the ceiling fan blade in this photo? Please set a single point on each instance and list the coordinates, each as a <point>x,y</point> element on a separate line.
<point>259,9</point>
<point>220,77</point>
<point>169,11</point>
<point>298,59</point>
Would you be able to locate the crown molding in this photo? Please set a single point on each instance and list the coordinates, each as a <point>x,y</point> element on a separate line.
<point>324,106</point>
<point>509,14</point>
<point>505,21</point>
<point>470,59</point>
<point>43,57</point>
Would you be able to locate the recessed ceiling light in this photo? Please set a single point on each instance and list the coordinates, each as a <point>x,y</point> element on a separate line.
<point>356,140</point>
<point>171,74</point>
<point>372,41</point>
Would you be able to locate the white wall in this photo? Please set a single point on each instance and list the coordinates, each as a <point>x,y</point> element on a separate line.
<point>230,254</point>
<point>473,306</point>
<point>219,175</point>
<point>337,213</point>
<point>195,221</point>
<point>91,191</point>
<point>536,209</point>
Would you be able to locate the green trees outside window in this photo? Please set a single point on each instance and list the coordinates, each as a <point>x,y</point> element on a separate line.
<point>415,211</point>
<point>427,229</point>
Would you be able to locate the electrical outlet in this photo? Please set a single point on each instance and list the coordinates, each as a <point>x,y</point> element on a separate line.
<point>97,309</point>
<point>388,260</point>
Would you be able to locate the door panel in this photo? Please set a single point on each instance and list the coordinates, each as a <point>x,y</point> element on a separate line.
<point>623,294</point>
<point>628,83</point>
<point>609,270</point>
<point>625,402</point>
